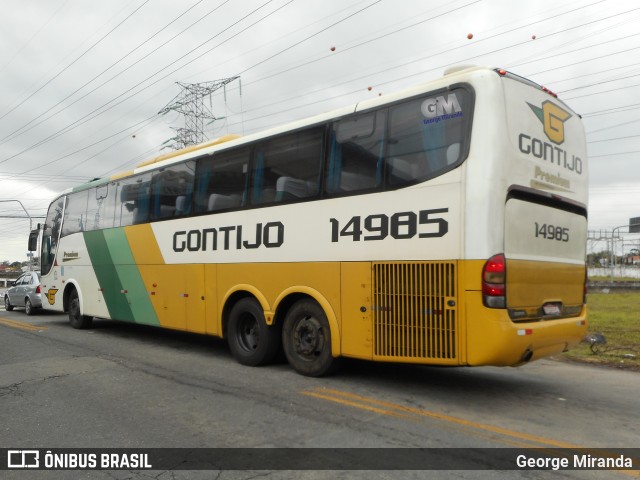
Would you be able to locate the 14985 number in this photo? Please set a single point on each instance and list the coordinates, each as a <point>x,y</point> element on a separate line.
<point>400,225</point>
<point>552,232</point>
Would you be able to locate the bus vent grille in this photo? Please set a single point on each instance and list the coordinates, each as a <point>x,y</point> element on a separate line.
<point>414,310</point>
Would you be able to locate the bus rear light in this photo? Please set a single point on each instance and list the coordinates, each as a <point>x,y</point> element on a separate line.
<point>494,290</point>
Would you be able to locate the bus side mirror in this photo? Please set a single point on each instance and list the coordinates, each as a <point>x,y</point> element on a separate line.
<point>33,240</point>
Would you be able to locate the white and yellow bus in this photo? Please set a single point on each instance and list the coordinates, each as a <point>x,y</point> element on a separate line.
<point>442,225</point>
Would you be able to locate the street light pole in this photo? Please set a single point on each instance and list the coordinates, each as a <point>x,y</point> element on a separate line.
<point>612,255</point>
<point>28,216</point>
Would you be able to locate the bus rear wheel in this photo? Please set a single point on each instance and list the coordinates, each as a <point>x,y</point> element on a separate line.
<point>306,339</point>
<point>76,319</point>
<point>251,341</point>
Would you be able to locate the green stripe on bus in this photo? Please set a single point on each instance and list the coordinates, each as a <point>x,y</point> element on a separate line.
<point>119,278</point>
<point>92,183</point>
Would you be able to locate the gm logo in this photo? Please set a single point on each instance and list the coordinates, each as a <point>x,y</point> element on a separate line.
<point>23,459</point>
<point>552,118</point>
<point>439,106</point>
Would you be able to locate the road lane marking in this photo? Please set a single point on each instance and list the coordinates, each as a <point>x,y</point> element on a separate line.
<point>361,401</point>
<point>514,437</point>
<point>21,325</point>
<point>356,405</point>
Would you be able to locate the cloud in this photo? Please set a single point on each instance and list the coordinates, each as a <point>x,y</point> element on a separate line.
<point>49,50</point>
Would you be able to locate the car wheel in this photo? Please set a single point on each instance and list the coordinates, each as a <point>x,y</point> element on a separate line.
<point>28,307</point>
<point>7,304</point>
<point>306,339</point>
<point>251,341</point>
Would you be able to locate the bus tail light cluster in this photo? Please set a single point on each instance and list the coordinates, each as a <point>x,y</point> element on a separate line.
<point>494,275</point>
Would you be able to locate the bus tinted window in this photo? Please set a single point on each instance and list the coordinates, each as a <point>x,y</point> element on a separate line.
<point>171,191</point>
<point>50,235</point>
<point>132,200</point>
<point>101,207</point>
<point>356,153</point>
<point>75,213</point>
<point>426,136</point>
<point>287,167</point>
<point>221,181</point>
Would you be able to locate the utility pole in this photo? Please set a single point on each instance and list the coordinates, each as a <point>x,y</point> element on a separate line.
<point>190,103</point>
<point>27,216</point>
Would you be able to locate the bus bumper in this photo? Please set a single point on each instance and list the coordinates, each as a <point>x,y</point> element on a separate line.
<point>493,339</point>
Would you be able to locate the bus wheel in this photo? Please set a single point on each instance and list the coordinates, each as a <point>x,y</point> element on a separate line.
<point>306,339</point>
<point>76,319</point>
<point>251,340</point>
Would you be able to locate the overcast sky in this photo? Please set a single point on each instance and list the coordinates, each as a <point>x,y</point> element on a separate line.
<point>82,82</point>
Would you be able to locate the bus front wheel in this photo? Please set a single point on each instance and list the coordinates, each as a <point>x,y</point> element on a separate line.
<point>306,339</point>
<point>76,319</point>
<point>251,341</point>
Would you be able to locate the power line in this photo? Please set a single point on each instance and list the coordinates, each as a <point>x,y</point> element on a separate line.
<point>41,120</point>
<point>263,62</point>
<point>76,60</point>
<point>309,37</point>
<point>612,139</point>
<point>395,67</point>
<point>342,51</point>
<point>90,116</point>
<point>599,83</point>
<point>614,154</point>
<point>28,42</point>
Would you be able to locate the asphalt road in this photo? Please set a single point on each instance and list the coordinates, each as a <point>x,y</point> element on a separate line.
<point>128,386</point>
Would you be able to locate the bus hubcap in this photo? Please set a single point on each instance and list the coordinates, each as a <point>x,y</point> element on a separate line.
<point>308,336</point>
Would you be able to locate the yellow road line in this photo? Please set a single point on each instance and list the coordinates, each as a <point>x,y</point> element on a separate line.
<point>356,405</point>
<point>389,408</point>
<point>337,396</point>
<point>21,325</point>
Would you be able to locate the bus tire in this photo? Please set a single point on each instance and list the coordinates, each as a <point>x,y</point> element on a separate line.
<point>251,341</point>
<point>76,319</point>
<point>306,338</point>
<point>7,304</point>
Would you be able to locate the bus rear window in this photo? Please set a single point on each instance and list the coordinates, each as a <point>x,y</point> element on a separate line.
<point>426,136</point>
<point>406,143</point>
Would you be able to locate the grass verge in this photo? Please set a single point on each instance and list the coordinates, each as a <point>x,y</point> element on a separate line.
<point>616,315</point>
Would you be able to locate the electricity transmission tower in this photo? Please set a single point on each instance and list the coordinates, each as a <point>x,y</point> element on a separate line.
<point>190,103</point>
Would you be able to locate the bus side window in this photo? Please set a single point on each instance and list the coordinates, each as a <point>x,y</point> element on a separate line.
<point>287,168</point>
<point>132,200</point>
<point>101,207</point>
<point>171,191</point>
<point>356,152</point>
<point>75,213</point>
<point>221,181</point>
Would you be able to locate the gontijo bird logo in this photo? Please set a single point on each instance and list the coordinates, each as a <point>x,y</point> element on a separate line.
<point>552,118</point>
